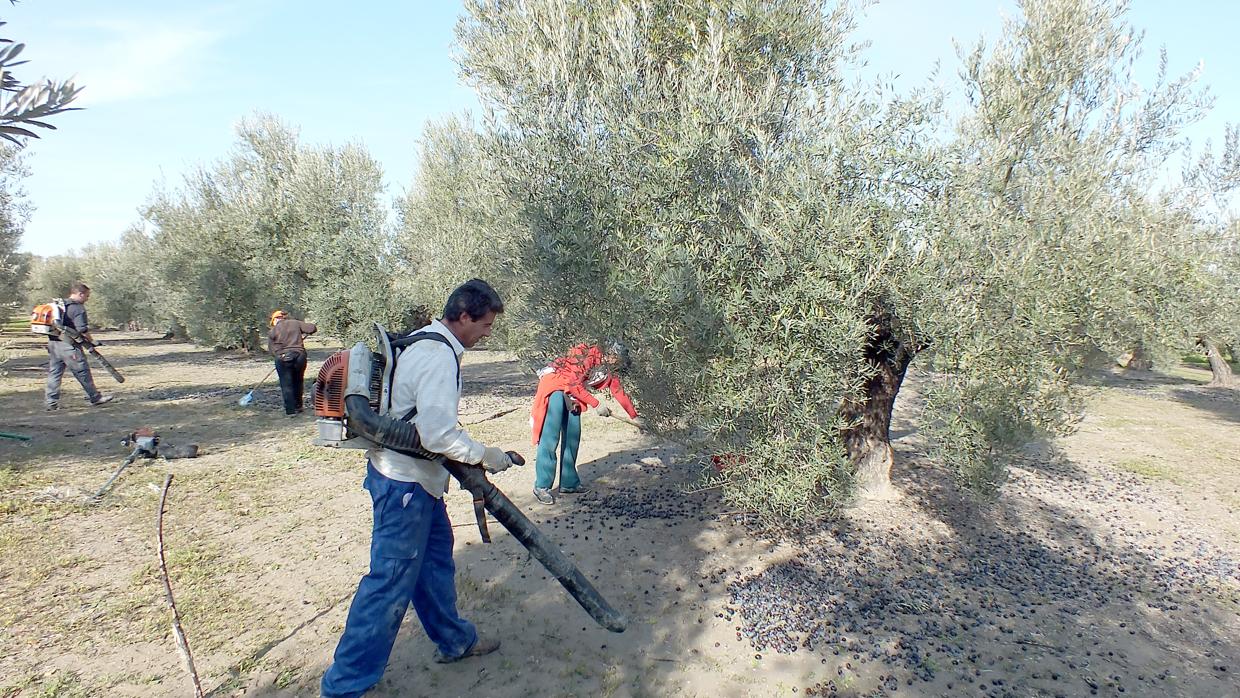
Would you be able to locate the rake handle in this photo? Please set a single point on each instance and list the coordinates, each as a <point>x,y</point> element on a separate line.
<point>264,380</point>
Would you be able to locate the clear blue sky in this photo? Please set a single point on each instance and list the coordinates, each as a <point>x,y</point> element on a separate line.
<point>167,81</point>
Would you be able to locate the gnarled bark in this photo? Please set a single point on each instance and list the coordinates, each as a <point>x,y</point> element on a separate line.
<point>1220,372</point>
<point>868,440</point>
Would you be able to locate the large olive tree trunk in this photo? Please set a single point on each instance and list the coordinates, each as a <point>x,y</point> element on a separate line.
<point>868,439</point>
<point>1220,372</point>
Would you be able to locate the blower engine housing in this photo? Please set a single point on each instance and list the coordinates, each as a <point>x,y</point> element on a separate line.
<point>356,371</point>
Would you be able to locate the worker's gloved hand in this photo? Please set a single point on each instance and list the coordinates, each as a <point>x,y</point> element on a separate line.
<point>603,410</point>
<point>495,460</point>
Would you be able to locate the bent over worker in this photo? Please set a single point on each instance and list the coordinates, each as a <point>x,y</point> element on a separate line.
<point>411,542</point>
<point>563,394</point>
<point>286,341</point>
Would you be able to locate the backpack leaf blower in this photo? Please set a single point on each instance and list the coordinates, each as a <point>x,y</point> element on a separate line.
<point>351,394</point>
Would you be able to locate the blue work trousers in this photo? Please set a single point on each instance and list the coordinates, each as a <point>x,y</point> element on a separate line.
<point>410,562</point>
<point>560,428</point>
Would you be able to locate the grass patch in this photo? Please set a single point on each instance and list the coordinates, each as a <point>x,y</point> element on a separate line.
<point>1201,361</point>
<point>1150,469</point>
<point>210,591</point>
<point>611,682</point>
<point>60,684</point>
<point>1116,422</point>
<point>286,678</point>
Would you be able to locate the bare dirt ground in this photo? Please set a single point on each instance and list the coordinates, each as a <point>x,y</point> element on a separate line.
<point>1107,566</point>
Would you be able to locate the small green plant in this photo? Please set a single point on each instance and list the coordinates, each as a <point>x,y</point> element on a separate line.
<point>63,685</point>
<point>1150,469</point>
<point>286,678</point>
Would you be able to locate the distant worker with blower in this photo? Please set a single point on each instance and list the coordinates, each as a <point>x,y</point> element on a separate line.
<point>62,352</point>
<point>286,341</point>
<point>411,543</point>
<point>563,394</point>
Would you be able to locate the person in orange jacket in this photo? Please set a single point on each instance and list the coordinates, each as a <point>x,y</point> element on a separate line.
<point>286,341</point>
<point>563,394</point>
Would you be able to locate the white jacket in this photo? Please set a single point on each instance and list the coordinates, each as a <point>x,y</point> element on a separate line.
<point>426,377</point>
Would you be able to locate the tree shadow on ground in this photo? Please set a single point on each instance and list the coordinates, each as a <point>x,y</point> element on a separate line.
<point>1223,403</point>
<point>145,341</point>
<point>1018,596</point>
<point>499,380</point>
<point>179,353</point>
<point>1134,380</point>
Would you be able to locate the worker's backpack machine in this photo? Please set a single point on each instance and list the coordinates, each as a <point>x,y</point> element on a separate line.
<point>353,395</point>
<point>352,398</point>
<point>46,318</point>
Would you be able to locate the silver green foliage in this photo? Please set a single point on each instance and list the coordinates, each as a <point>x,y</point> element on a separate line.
<point>706,180</point>
<point>14,212</point>
<point>454,219</point>
<point>275,225</point>
<point>1054,244</point>
<point>50,277</point>
<point>24,107</point>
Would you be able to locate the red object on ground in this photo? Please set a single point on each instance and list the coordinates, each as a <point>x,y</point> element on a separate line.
<point>723,461</point>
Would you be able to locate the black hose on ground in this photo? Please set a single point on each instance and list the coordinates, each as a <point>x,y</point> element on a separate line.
<point>403,437</point>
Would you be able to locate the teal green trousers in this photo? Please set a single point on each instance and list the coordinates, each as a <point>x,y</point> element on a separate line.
<point>561,428</point>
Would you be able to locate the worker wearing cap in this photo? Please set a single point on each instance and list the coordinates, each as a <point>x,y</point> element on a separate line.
<point>563,394</point>
<point>286,341</point>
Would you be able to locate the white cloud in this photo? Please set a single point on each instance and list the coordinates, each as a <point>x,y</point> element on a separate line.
<point>137,61</point>
<point>121,60</point>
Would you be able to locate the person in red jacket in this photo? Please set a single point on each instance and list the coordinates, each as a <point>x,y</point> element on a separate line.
<point>563,394</point>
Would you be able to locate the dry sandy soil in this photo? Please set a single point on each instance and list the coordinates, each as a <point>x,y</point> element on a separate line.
<point>1107,566</point>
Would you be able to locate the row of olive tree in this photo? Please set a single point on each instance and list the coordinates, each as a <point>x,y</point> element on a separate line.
<point>779,243</point>
<point>276,224</point>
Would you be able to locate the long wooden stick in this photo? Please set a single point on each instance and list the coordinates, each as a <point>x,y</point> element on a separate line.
<point>495,415</point>
<point>182,643</point>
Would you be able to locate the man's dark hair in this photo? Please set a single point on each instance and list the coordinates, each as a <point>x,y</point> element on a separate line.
<point>475,298</point>
<point>78,287</point>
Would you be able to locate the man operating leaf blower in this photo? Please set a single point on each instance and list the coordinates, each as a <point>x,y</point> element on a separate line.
<point>401,404</point>
<point>411,547</point>
<point>68,331</point>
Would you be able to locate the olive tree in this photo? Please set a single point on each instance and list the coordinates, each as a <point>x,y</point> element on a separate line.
<point>126,289</point>
<point>699,180</point>
<point>275,225</point>
<point>51,277</point>
<point>13,215</point>
<point>455,221</point>
<point>1214,314</point>
<point>778,243</point>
